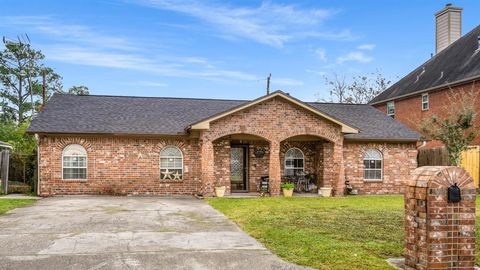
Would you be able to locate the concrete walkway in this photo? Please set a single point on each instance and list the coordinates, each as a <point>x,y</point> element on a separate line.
<point>127,233</point>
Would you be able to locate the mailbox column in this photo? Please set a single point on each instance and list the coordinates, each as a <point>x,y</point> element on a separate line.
<point>440,233</point>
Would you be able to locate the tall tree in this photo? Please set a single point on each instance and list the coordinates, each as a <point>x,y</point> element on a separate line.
<point>360,90</point>
<point>21,68</point>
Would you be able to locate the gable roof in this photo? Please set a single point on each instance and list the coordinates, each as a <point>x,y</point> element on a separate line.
<point>71,114</point>
<point>205,123</point>
<point>458,63</point>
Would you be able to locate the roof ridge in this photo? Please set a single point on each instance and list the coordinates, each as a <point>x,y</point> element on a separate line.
<point>150,97</point>
<point>338,103</point>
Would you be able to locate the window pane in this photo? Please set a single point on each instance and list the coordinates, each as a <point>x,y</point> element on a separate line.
<point>378,164</point>
<point>366,163</point>
<point>289,163</point>
<point>378,174</point>
<point>171,174</point>
<point>74,173</point>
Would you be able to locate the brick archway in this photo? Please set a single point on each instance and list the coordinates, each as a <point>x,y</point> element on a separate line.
<point>274,120</point>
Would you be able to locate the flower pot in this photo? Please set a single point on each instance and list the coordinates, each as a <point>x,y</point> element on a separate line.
<point>287,192</point>
<point>220,191</point>
<point>325,192</point>
<point>354,192</point>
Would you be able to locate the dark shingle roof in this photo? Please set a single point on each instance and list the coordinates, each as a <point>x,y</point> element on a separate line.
<point>124,115</point>
<point>170,116</point>
<point>459,61</point>
<point>373,124</point>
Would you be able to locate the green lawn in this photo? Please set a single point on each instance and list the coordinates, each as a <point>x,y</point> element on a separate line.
<point>8,204</point>
<point>325,233</point>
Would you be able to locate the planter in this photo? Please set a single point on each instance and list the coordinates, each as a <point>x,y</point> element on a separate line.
<point>325,192</point>
<point>287,192</point>
<point>354,192</point>
<point>220,191</point>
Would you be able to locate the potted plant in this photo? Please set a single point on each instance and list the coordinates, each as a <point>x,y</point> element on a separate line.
<point>325,191</point>
<point>220,190</point>
<point>287,189</point>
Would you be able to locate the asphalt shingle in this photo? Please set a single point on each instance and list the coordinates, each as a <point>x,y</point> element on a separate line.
<point>171,116</point>
<point>459,61</point>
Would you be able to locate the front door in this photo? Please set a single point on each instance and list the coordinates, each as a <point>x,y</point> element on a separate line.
<point>238,168</point>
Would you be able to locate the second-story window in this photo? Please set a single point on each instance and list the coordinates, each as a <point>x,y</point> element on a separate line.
<point>391,108</point>
<point>425,102</point>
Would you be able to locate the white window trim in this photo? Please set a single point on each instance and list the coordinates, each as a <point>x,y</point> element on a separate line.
<point>427,102</point>
<point>293,168</point>
<point>160,163</point>
<point>393,106</point>
<point>86,164</point>
<point>381,169</point>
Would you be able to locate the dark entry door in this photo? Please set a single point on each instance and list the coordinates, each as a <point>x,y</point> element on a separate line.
<point>238,168</point>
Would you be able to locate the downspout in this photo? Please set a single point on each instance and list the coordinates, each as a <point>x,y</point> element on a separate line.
<point>38,164</point>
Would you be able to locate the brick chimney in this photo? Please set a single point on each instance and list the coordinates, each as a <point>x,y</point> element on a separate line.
<point>448,26</point>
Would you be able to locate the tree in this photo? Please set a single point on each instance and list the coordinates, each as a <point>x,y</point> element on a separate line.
<point>457,130</point>
<point>24,145</point>
<point>338,88</point>
<point>78,90</point>
<point>21,70</point>
<point>360,90</point>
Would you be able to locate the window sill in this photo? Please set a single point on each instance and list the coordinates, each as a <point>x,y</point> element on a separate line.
<point>372,180</point>
<point>75,180</point>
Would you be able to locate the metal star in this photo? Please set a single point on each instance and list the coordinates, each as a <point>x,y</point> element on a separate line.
<point>167,174</point>
<point>177,176</point>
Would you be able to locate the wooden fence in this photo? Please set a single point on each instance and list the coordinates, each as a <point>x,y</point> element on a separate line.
<point>439,157</point>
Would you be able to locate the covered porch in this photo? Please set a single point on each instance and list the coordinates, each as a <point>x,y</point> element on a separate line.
<point>242,161</point>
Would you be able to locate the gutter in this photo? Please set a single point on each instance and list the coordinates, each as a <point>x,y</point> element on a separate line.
<point>435,88</point>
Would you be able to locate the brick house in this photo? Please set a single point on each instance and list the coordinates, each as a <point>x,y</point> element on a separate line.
<point>162,146</point>
<point>454,68</point>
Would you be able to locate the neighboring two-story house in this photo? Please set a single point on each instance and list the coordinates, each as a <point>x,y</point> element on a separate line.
<point>425,91</point>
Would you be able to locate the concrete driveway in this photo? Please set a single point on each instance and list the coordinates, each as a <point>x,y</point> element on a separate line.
<point>127,233</point>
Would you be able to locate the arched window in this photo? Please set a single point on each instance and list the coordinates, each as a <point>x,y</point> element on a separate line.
<point>74,162</point>
<point>373,165</point>
<point>171,163</point>
<point>294,161</point>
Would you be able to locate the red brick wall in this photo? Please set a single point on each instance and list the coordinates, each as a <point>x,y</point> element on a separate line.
<point>409,111</point>
<point>274,120</point>
<point>129,165</point>
<point>117,166</point>
<point>399,160</point>
<point>439,234</point>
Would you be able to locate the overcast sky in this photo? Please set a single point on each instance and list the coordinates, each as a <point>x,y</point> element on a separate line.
<point>226,49</point>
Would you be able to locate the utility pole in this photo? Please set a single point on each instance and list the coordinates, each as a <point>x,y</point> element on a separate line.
<point>268,83</point>
<point>44,88</point>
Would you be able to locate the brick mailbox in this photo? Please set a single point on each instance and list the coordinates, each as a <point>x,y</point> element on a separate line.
<point>439,229</point>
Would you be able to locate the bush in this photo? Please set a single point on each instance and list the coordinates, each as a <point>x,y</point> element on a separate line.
<point>18,187</point>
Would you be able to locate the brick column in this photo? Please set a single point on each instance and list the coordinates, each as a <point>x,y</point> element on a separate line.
<point>274,168</point>
<point>439,234</point>
<point>333,171</point>
<point>208,173</point>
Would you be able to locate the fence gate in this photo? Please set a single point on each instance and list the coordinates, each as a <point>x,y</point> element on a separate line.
<point>471,163</point>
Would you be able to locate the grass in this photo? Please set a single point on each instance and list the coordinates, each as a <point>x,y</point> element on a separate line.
<point>8,204</point>
<point>325,233</point>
